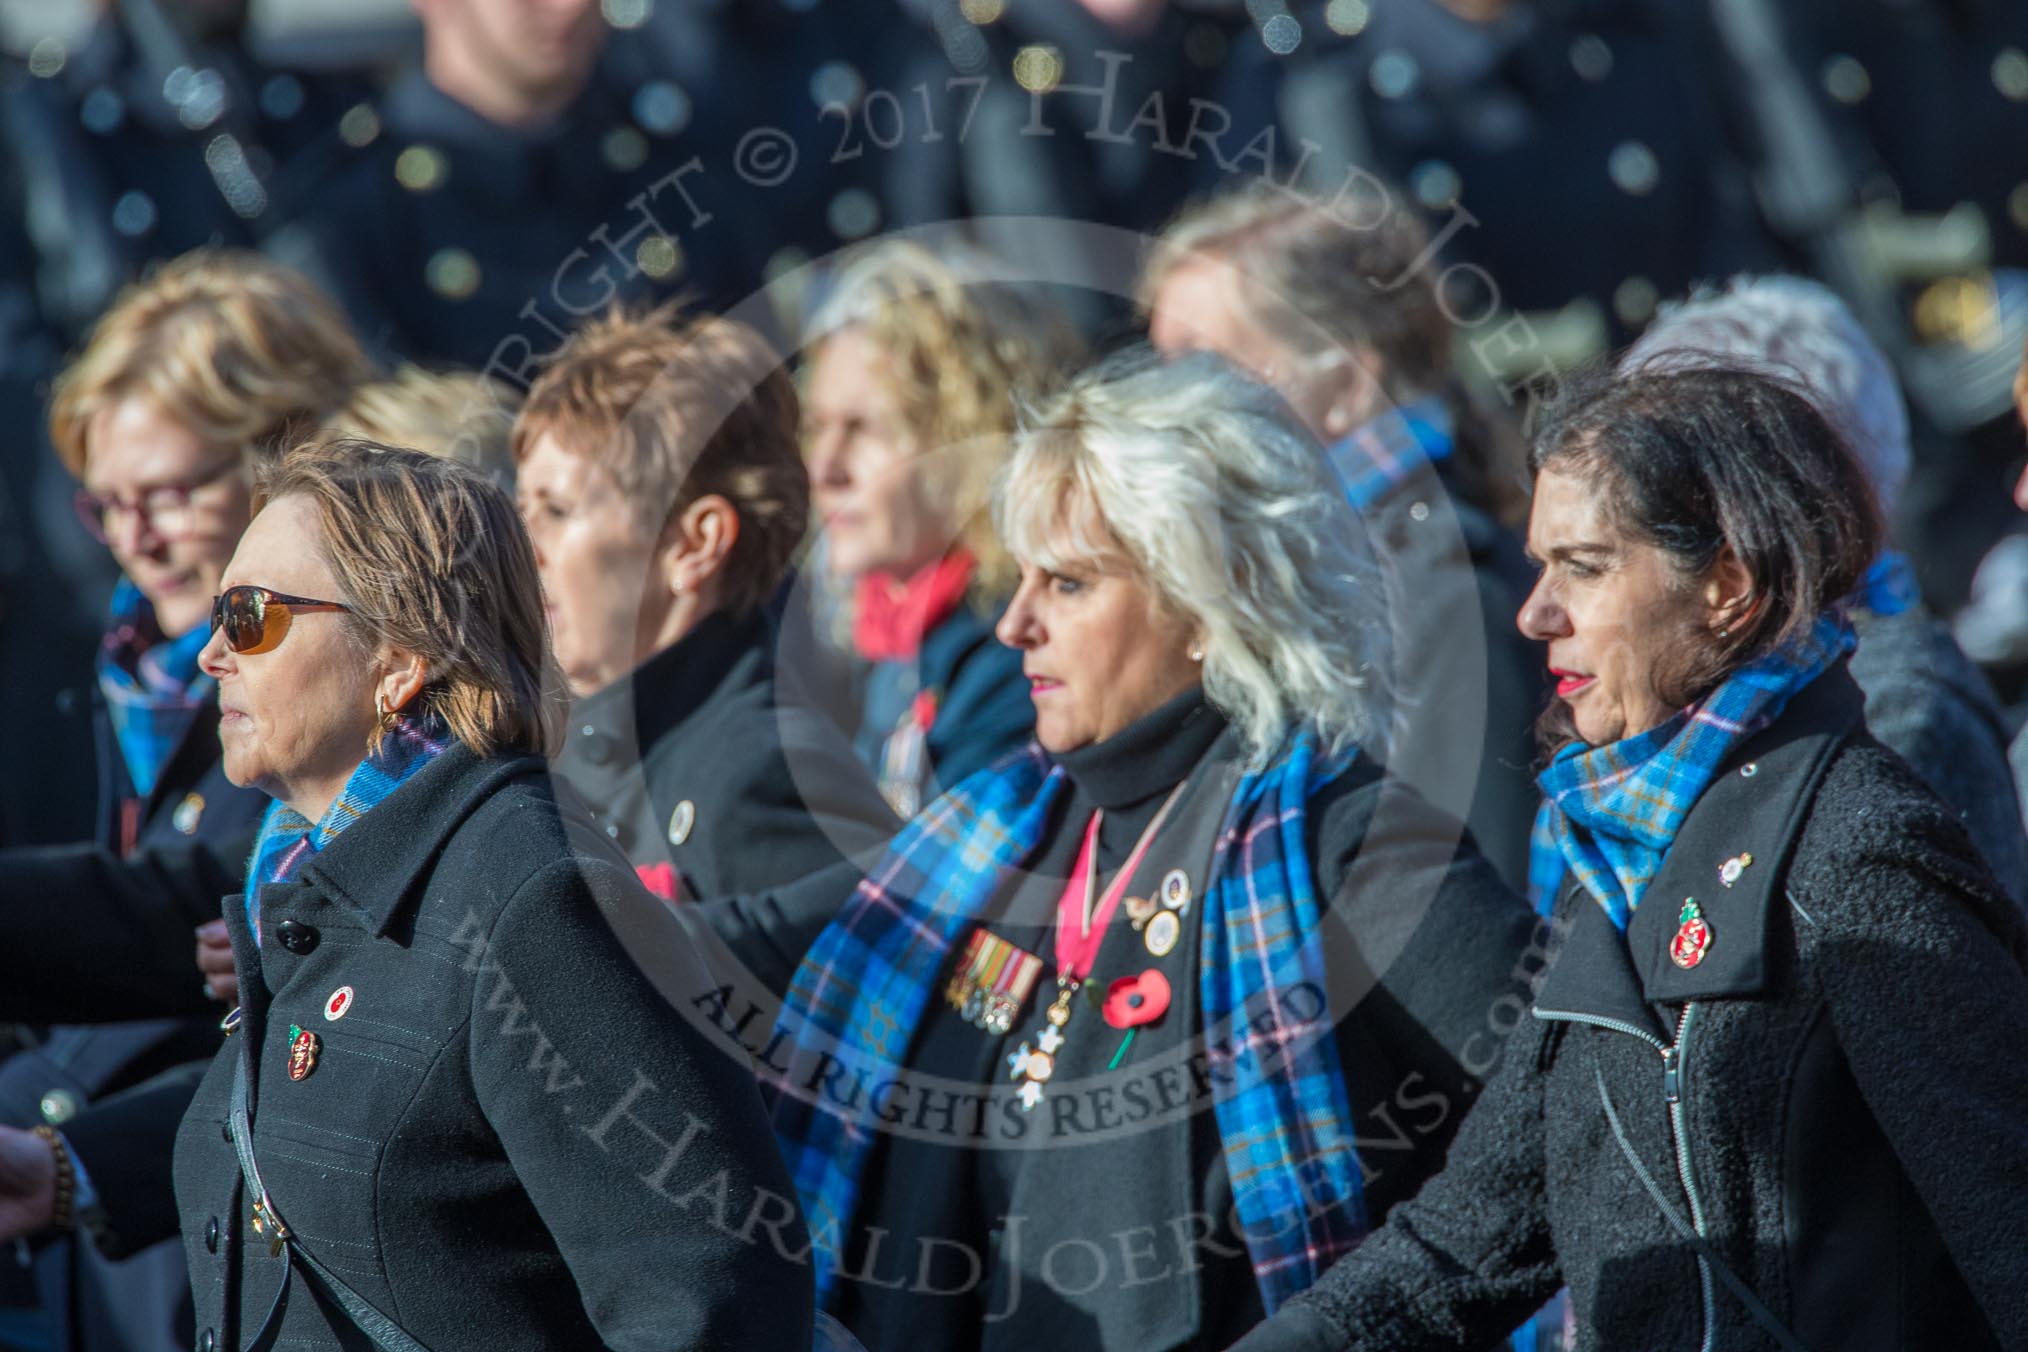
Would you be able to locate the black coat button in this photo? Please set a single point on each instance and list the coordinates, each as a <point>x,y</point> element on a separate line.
<point>296,936</point>
<point>208,1342</point>
<point>211,1235</point>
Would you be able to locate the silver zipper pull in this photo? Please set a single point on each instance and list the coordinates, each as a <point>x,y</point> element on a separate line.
<point>1672,1078</point>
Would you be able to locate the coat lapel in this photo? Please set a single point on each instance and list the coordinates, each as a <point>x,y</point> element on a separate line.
<point>1593,980</point>
<point>376,865</point>
<point>1752,813</point>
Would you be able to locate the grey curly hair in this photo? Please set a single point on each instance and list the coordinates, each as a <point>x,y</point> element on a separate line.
<point>1800,331</point>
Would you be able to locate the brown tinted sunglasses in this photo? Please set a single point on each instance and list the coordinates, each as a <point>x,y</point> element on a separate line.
<point>256,620</point>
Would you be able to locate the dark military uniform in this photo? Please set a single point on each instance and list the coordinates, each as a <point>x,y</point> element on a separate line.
<point>1928,102</point>
<point>132,150</point>
<point>1572,148</point>
<point>1033,113</point>
<point>451,239</point>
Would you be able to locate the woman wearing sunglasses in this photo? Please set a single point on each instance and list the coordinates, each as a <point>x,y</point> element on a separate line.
<point>452,1111</point>
<point>210,364</point>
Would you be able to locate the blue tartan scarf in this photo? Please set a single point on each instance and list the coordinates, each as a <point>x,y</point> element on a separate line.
<point>151,683</point>
<point>1889,587</point>
<point>287,837</point>
<point>1374,458</point>
<point>1286,1122</point>
<point>1610,813</point>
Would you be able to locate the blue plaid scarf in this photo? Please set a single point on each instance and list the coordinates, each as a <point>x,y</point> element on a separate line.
<point>1889,587</point>
<point>287,837</point>
<point>152,686</point>
<point>1286,1124</point>
<point>1386,451</point>
<point>1609,813</point>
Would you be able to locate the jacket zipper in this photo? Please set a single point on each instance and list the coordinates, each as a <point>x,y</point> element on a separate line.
<point>1679,1127</point>
<point>1679,1130</point>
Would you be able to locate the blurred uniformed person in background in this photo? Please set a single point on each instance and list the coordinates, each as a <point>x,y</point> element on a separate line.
<point>1076,110</point>
<point>1572,148</point>
<point>159,132</point>
<point>501,191</point>
<point>1927,102</point>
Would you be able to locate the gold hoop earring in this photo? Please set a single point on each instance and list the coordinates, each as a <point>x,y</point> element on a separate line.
<point>386,716</point>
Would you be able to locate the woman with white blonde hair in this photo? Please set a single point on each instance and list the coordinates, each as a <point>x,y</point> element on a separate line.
<point>1081,1062</point>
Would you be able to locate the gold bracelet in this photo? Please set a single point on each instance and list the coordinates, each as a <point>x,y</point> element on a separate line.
<point>63,1214</point>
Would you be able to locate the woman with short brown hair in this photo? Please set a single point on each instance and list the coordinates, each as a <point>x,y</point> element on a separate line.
<point>661,482</point>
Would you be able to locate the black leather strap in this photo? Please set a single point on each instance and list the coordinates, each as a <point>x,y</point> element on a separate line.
<point>385,1333</point>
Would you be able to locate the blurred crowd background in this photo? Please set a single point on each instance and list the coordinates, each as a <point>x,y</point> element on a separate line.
<point>472,177</point>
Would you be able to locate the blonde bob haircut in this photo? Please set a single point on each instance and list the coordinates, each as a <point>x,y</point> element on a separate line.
<point>963,353</point>
<point>432,558</point>
<point>240,350</point>
<point>460,415</point>
<point>1205,486</point>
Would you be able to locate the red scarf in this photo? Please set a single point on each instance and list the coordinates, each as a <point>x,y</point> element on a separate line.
<point>890,617</point>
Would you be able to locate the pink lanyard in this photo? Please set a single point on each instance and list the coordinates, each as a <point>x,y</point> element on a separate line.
<point>1080,925</point>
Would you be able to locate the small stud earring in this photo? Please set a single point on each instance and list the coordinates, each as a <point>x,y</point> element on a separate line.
<point>1196,654</point>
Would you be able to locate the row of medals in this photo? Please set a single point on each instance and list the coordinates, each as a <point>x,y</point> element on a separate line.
<point>1160,925</point>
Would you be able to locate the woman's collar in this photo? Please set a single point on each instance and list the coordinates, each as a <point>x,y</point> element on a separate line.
<point>1148,756</point>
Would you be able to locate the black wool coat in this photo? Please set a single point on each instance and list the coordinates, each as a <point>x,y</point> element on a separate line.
<point>1823,1117</point>
<point>501,1134</point>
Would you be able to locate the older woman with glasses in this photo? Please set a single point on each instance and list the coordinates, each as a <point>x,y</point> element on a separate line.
<point>1128,1036</point>
<point>1770,1092</point>
<point>194,375</point>
<point>452,1111</point>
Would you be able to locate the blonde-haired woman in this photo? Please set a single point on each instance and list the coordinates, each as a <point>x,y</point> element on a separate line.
<point>196,374</point>
<point>910,395</point>
<point>1125,1040</point>
<point>462,415</point>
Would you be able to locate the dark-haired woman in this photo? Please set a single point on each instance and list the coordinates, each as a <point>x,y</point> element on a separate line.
<point>1771,1092</point>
